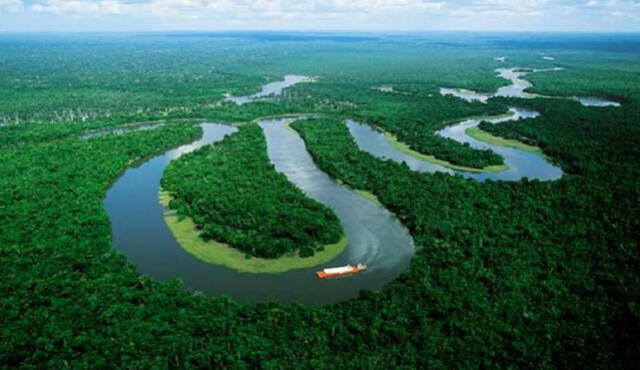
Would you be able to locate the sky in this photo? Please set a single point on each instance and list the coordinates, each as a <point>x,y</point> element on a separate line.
<point>365,15</point>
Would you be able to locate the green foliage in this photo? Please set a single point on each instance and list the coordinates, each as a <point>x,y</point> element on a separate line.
<point>518,275</point>
<point>234,192</point>
<point>414,117</point>
<point>156,77</point>
<point>593,141</point>
<point>505,286</point>
<point>103,75</point>
<point>608,76</point>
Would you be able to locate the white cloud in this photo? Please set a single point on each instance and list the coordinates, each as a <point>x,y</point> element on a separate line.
<point>11,5</point>
<point>231,7</point>
<point>344,14</point>
<point>105,7</point>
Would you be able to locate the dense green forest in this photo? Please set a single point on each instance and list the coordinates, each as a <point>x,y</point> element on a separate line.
<point>153,77</point>
<point>413,117</point>
<point>157,77</point>
<point>606,141</point>
<point>506,275</point>
<point>236,196</point>
<point>565,266</point>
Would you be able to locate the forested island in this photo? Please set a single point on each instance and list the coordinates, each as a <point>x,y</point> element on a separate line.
<point>235,196</point>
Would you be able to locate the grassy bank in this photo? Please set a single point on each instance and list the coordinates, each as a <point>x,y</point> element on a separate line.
<point>370,196</point>
<point>217,253</point>
<point>481,135</point>
<point>288,127</point>
<point>406,149</point>
<point>240,199</point>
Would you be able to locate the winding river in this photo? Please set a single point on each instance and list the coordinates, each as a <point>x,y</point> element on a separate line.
<point>272,88</point>
<point>518,87</point>
<point>122,129</point>
<point>521,164</point>
<point>375,236</point>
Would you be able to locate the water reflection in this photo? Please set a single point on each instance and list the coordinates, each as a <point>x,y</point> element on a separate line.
<point>273,88</point>
<point>597,102</point>
<point>121,130</point>
<point>518,87</point>
<point>375,236</point>
<point>520,163</point>
<point>464,94</point>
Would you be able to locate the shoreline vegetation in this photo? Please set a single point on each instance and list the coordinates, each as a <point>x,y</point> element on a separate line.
<point>479,134</point>
<point>406,149</point>
<point>241,199</point>
<point>217,253</point>
<point>367,195</point>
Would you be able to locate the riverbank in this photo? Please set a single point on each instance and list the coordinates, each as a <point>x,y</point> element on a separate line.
<point>406,149</point>
<point>486,137</point>
<point>370,196</point>
<point>217,253</point>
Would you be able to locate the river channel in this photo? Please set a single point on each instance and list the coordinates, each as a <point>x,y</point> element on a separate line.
<point>375,236</point>
<point>520,163</point>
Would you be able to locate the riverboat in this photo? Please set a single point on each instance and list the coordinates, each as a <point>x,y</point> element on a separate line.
<point>340,271</point>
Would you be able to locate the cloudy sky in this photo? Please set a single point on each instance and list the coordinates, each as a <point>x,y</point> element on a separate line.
<point>401,15</point>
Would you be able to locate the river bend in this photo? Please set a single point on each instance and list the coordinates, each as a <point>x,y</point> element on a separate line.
<point>375,236</point>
